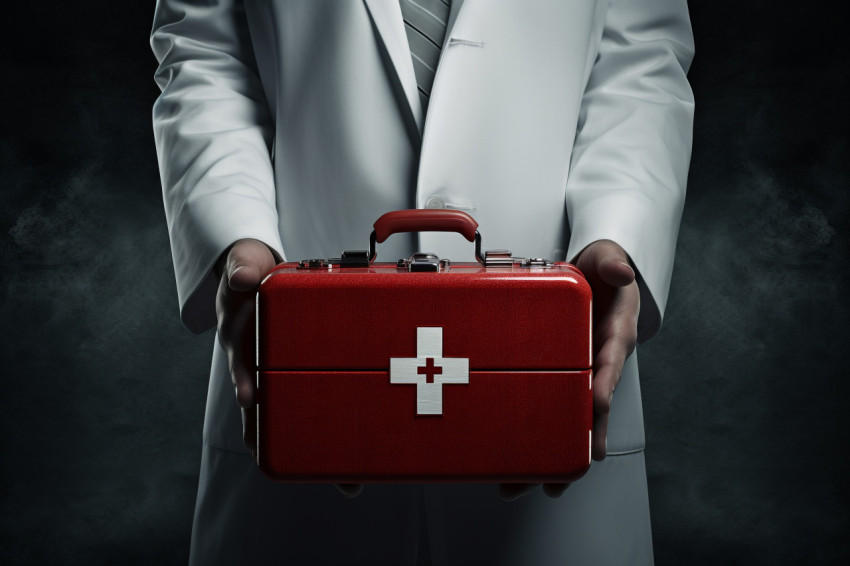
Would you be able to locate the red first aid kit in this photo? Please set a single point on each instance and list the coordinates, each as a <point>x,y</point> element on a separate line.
<point>423,370</point>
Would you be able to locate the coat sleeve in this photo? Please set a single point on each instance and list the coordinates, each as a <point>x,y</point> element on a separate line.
<point>213,134</point>
<point>629,165</point>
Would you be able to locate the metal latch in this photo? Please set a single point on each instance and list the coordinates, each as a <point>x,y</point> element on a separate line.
<point>536,262</point>
<point>313,264</point>
<point>350,258</point>
<point>503,258</point>
<point>422,261</point>
<point>498,258</point>
<point>354,258</point>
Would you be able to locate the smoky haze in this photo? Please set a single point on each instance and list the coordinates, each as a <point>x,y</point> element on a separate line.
<point>743,389</point>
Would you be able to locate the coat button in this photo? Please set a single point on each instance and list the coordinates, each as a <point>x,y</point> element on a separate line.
<point>435,202</point>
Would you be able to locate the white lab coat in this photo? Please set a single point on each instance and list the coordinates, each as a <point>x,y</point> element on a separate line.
<point>555,123</point>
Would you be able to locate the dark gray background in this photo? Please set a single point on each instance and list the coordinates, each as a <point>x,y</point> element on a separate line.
<point>744,389</point>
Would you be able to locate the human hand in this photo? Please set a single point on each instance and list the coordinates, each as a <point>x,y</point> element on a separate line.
<point>241,269</point>
<point>616,305</point>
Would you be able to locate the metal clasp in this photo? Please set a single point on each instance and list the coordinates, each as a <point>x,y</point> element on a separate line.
<point>354,258</point>
<point>422,261</point>
<point>498,258</point>
<point>536,262</point>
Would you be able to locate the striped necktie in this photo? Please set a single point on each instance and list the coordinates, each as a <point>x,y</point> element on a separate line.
<point>425,24</point>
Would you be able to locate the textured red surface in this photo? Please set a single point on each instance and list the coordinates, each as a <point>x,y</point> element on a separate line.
<point>359,318</point>
<point>327,411</point>
<point>357,427</point>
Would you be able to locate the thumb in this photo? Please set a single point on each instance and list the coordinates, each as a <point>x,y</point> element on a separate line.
<point>606,261</point>
<point>247,263</point>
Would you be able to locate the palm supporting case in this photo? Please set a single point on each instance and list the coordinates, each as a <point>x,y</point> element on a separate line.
<point>423,370</point>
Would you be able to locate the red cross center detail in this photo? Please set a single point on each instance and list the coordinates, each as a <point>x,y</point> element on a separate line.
<point>429,370</point>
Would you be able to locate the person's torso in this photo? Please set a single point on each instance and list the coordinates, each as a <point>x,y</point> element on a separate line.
<point>496,140</point>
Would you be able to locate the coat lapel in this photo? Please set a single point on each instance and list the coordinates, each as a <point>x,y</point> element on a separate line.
<point>386,16</point>
<point>456,6</point>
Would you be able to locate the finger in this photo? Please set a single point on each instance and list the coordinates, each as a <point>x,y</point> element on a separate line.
<point>605,261</point>
<point>222,302</point>
<point>555,490</point>
<point>247,263</point>
<point>236,337</point>
<point>513,491</point>
<point>608,370</point>
<point>599,441</point>
<point>249,428</point>
<point>617,310</point>
<point>615,336</point>
<point>350,489</point>
<point>619,333</point>
<point>605,381</point>
<point>238,333</point>
<point>616,273</point>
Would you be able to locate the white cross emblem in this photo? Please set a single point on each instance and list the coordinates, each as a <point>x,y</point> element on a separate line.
<point>429,370</point>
